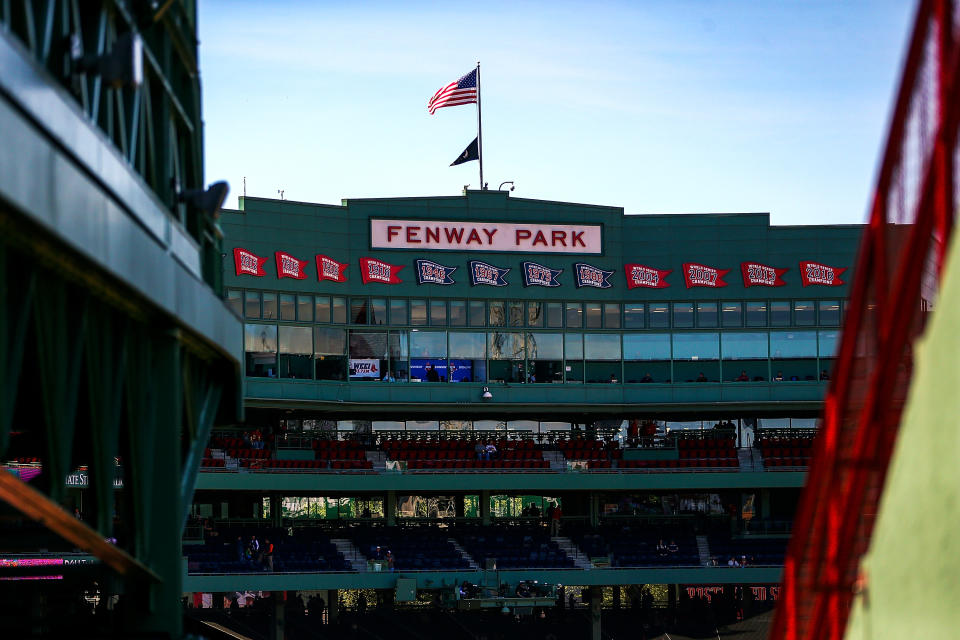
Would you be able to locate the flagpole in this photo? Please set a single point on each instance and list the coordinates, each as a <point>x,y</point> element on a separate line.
<point>479,128</point>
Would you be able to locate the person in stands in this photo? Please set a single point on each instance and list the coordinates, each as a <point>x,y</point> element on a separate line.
<point>646,378</point>
<point>241,549</point>
<point>267,554</point>
<point>613,379</point>
<point>555,520</point>
<point>702,377</point>
<point>824,375</point>
<point>432,375</point>
<point>778,377</point>
<point>743,377</point>
<point>672,547</point>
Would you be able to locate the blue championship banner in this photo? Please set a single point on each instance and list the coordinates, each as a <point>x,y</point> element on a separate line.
<point>429,272</point>
<point>537,275</point>
<point>483,273</point>
<point>590,276</point>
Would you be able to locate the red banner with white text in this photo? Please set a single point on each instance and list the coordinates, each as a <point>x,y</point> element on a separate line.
<point>761,275</point>
<point>373,270</point>
<point>639,275</point>
<point>330,269</point>
<point>814,273</point>
<point>290,267</point>
<point>700,275</point>
<point>248,263</point>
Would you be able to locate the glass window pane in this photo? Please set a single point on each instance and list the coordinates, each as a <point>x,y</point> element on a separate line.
<point>438,313</point>
<point>269,306</point>
<point>756,314</point>
<point>496,318</point>
<point>829,342</point>
<point>730,314</point>
<point>574,315</point>
<point>594,315</point>
<point>683,314</point>
<point>738,346</point>
<point>601,346</point>
<point>358,310</point>
<point>633,316</point>
<point>305,308</point>
<point>478,313</point>
<point>321,309</point>
<point>516,314</point>
<point>428,344</point>
<point>399,345</point>
<point>398,311</point>
<point>611,316</point>
<point>298,340</point>
<point>469,346</point>
<point>573,346</point>
<point>260,338</point>
<point>545,346</point>
<point>418,312</point>
<point>368,344</point>
<point>829,313</point>
<point>696,346</point>
<point>288,308</point>
<point>534,314</point>
<point>659,315</point>
<point>458,313</point>
<point>707,314</point>
<point>378,311</point>
<point>646,346</point>
<point>780,314</point>
<point>506,346</point>
<point>804,313</point>
<point>555,315</point>
<point>235,301</point>
<point>329,341</point>
<point>793,344</point>
<point>339,310</point>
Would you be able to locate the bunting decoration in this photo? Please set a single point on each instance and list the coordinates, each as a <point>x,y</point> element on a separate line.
<point>700,275</point>
<point>814,273</point>
<point>330,269</point>
<point>639,275</point>
<point>760,275</point>
<point>537,275</point>
<point>248,263</point>
<point>373,270</point>
<point>290,267</point>
<point>590,276</point>
<point>429,272</point>
<point>483,273</point>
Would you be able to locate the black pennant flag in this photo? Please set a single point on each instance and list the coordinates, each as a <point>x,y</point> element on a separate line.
<point>472,152</point>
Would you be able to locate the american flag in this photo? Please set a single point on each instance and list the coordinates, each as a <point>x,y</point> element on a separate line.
<point>462,91</point>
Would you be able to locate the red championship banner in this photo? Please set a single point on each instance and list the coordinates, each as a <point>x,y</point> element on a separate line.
<point>330,269</point>
<point>248,263</point>
<point>290,267</point>
<point>372,270</point>
<point>812,273</point>
<point>700,275</point>
<point>761,275</point>
<point>639,275</point>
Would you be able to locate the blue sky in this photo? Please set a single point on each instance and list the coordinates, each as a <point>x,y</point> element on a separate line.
<point>657,107</point>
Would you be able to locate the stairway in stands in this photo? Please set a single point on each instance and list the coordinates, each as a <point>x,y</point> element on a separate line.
<point>379,460</point>
<point>357,560</point>
<point>463,552</point>
<point>703,549</point>
<point>749,461</point>
<point>556,460</point>
<point>580,560</point>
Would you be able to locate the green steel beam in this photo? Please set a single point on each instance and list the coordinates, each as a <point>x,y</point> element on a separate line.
<point>16,305</point>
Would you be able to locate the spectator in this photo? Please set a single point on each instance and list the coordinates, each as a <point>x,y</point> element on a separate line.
<point>479,450</point>
<point>555,520</point>
<point>646,378</point>
<point>389,561</point>
<point>743,377</point>
<point>661,549</point>
<point>702,377</point>
<point>824,375</point>
<point>613,379</point>
<point>491,452</point>
<point>778,377</point>
<point>672,547</point>
<point>432,375</point>
<point>241,549</point>
<point>268,554</point>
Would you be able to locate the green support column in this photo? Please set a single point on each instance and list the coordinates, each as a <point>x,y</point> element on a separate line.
<point>276,510</point>
<point>484,507</point>
<point>764,511</point>
<point>596,600</point>
<point>390,508</point>
<point>279,621</point>
<point>594,504</point>
<point>333,605</point>
<point>458,506</point>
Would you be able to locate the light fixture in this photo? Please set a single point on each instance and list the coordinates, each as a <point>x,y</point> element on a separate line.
<point>509,182</point>
<point>121,66</point>
<point>208,201</point>
<point>486,394</point>
<point>505,611</point>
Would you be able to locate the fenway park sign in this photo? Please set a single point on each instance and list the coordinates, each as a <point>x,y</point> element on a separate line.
<point>438,235</point>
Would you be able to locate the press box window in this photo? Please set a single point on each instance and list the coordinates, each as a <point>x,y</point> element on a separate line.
<point>358,310</point>
<point>235,301</point>
<point>633,316</point>
<point>288,308</point>
<point>683,314</point>
<point>594,315</point>
<point>378,311</point>
<point>707,314</point>
<point>305,308</point>
<point>534,314</point>
<point>260,347</point>
<point>555,315</point>
<point>659,315</point>
<point>340,310</point>
<point>611,316</point>
<point>496,318</point>
<point>458,313</point>
<point>398,311</point>
<point>780,314</point>
<point>438,313</point>
<point>574,315</point>
<point>829,313</point>
<point>321,309</point>
<point>251,304</point>
<point>756,314</point>
<point>516,314</point>
<point>730,314</point>
<point>478,313</point>
<point>418,312</point>
<point>804,314</point>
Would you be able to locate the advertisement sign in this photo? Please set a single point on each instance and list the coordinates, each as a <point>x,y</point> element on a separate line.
<point>761,275</point>
<point>700,275</point>
<point>364,368</point>
<point>373,270</point>
<point>537,275</point>
<point>483,273</point>
<point>443,370</point>
<point>429,272</point>
<point>248,263</point>
<point>814,273</point>
<point>639,275</point>
<point>590,276</point>
<point>330,269</point>
<point>444,235</point>
<point>290,267</point>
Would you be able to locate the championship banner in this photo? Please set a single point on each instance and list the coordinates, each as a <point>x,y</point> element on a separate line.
<point>290,267</point>
<point>760,275</point>
<point>429,272</point>
<point>372,270</point>
<point>812,273</point>
<point>248,263</point>
<point>590,276</point>
<point>483,273</point>
<point>639,275</point>
<point>700,275</point>
<point>330,269</point>
<point>537,275</point>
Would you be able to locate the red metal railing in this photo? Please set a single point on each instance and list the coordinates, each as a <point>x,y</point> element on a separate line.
<point>895,287</point>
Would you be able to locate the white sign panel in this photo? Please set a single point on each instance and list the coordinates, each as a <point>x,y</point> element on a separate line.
<point>439,235</point>
<point>364,368</point>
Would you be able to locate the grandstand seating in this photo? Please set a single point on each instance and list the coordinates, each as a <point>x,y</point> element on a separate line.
<point>427,550</point>
<point>628,546</point>
<point>306,550</point>
<point>515,547</point>
<point>780,451</point>
<point>462,454</point>
<point>758,551</point>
